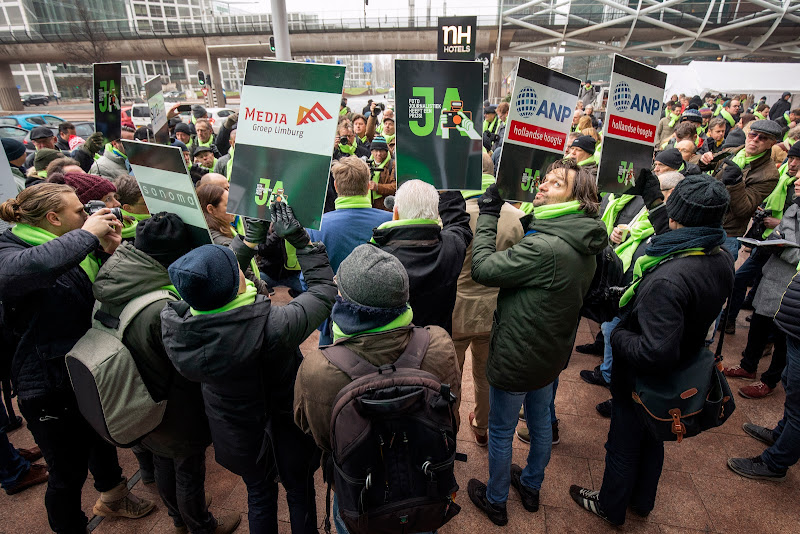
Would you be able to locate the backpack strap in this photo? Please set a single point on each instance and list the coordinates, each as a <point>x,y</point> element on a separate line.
<point>355,366</point>
<point>117,325</point>
<point>416,349</point>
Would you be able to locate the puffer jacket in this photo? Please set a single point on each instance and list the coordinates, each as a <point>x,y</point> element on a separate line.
<point>109,166</point>
<point>788,316</point>
<point>543,280</point>
<point>246,360</point>
<point>780,268</point>
<point>128,274</point>
<point>47,307</point>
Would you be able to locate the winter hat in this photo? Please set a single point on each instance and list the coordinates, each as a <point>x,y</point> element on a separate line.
<point>768,127</point>
<point>207,277</point>
<point>489,109</point>
<point>75,141</point>
<point>180,144</point>
<point>388,119</point>
<point>44,157</point>
<point>199,148</point>
<point>87,186</point>
<point>13,148</point>
<point>41,132</point>
<point>706,113</point>
<point>183,128</point>
<point>794,151</point>
<point>698,200</point>
<point>692,115</point>
<point>143,133</point>
<point>163,237</point>
<point>199,112</point>
<point>735,138</point>
<point>670,157</point>
<point>374,278</point>
<point>585,143</point>
<point>379,143</point>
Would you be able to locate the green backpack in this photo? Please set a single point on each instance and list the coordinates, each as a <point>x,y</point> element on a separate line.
<point>110,391</point>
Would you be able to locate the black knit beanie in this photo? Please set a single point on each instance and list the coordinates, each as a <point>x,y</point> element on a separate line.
<point>698,200</point>
<point>671,157</point>
<point>163,237</point>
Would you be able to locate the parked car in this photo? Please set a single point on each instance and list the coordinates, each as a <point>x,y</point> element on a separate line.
<point>126,117</point>
<point>35,100</point>
<point>140,115</point>
<point>30,121</point>
<point>217,117</point>
<point>13,132</point>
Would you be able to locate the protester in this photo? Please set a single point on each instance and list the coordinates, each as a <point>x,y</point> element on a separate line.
<point>715,136</point>
<point>245,353</point>
<point>205,137</point>
<point>587,93</point>
<point>729,111</point>
<point>17,470</point>
<point>48,262</point>
<point>66,130</point>
<point>63,166</point>
<point>133,205</point>
<point>84,153</point>
<point>15,153</point>
<point>526,357</point>
<point>41,137</point>
<point>112,163</point>
<point>582,150</point>
<point>666,126</point>
<point>89,187</point>
<point>781,106</point>
<point>204,156</point>
<point>43,158</point>
<point>384,181</point>
<point>347,144</point>
<point>431,254</point>
<point>666,314</point>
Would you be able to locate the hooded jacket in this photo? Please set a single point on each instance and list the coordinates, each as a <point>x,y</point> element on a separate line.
<point>543,280</point>
<point>128,274</point>
<point>246,359</point>
<point>433,257</point>
<point>109,165</point>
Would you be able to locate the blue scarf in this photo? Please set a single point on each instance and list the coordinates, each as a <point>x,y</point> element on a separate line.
<point>353,318</point>
<point>684,238</point>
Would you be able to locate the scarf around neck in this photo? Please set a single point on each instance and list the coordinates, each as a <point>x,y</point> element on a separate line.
<point>248,297</point>
<point>33,235</point>
<point>742,159</point>
<point>613,209</point>
<point>776,201</point>
<point>640,229</point>
<point>351,319</point>
<point>343,203</point>
<point>551,211</point>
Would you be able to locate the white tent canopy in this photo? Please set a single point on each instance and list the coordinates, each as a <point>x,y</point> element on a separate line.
<point>757,79</point>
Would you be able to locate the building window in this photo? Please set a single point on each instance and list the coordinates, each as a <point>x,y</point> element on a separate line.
<point>140,10</point>
<point>155,11</point>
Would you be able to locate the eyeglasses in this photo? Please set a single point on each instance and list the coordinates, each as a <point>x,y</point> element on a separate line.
<point>760,136</point>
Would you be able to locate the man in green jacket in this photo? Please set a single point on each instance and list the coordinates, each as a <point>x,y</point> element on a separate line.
<point>542,281</point>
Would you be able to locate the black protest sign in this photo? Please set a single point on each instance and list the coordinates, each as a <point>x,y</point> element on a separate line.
<point>438,111</point>
<point>107,98</point>
<point>632,115</point>
<point>158,110</point>
<point>537,127</point>
<point>166,185</point>
<point>457,36</point>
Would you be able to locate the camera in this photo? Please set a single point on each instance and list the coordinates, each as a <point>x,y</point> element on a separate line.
<point>93,206</point>
<point>380,106</point>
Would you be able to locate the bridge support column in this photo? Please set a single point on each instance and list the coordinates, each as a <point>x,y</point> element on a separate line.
<point>496,79</point>
<point>216,78</point>
<point>9,94</point>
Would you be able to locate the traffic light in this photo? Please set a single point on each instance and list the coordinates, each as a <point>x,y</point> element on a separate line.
<point>201,77</point>
<point>208,79</point>
<point>271,43</point>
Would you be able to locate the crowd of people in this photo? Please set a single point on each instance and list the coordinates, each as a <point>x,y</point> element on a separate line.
<point>400,282</point>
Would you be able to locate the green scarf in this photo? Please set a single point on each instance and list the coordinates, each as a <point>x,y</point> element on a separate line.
<point>673,118</point>
<point>207,143</point>
<point>110,148</point>
<point>786,117</point>
<point>129,229</point>
<point>229,166</point>
<point>486,181</point>
<point>343,112</point>
<point>591,160</point>
<point>363,139</point>
<point>640,229</point>
<point>727,116</point>
<point>404,319</point>
<point>348,149</point>
<point>646,263</point>
<point>343,203</point>
<point>742,159</point>
<point>489,125</point>
<point>613,209</point>
<point>33,235</point>
<point>776,200</point>
<point>171,289</point>
<point>248,297</point>
<point>551,211</point>
<point>389,138</point>
<point>526,207</point>
<point>376,176</point>
<point>759,115</point>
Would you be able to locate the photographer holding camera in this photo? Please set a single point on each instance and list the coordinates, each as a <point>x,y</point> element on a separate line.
<point>48,263</point>
<point>381,165</point>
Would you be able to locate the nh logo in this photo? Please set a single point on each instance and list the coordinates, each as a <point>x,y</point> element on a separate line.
<point>457,33</point>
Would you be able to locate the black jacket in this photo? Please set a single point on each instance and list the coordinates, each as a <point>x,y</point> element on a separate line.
<point>433,258</point>
<point>669,316</point>
<point>779,108</point>
<point>247,359</point>
<point>47,306</point>
<point>788,316</point>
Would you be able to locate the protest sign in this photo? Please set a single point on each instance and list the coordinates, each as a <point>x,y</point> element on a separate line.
<point>537,126</point>
<point>284,141</point>
<point>166,185</point>
<point>457,36</point>
<point>439,112</point>
<point>632,115</point>
<point>8,187</point>
<point>106,94</point>
<point>158,110</point>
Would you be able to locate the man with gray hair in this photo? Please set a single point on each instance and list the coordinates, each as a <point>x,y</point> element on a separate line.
<point>432,254</point>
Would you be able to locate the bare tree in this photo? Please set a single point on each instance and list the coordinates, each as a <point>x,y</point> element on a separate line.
<point>91,42</point>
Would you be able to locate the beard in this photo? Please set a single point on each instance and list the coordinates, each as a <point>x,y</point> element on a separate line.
<point>539,202</point>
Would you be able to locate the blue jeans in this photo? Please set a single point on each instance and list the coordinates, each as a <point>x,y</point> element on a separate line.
<point>746,275</point>
<point>608,357</point>
<point>337,519</point>
<point>553,418</point>
<point>503,418</point>
<point>785,452</point>
<point>732,245</point>
<point>12,466</point>
<point>292,282</point>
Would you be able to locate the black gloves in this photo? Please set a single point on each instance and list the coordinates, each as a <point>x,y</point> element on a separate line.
<point>197,171</point>
<point>256,231</point>
<point>94,143</point>
<point>648,186</point>
<point>490,202</point>
<point>231,120</point>
<point>286,226</point>
<point>731,173</point>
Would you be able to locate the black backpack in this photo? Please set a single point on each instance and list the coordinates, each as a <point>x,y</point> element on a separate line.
<point>393,444</point>
<point>601,303</point>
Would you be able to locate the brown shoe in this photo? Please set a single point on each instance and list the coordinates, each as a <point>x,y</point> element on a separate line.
<point>36,475</point>
<point>737,372</point>
<point>228,523</point>
<point>481,440</point>
<point>31,454</point>
<point>129,506</point>
<point>757,390</point>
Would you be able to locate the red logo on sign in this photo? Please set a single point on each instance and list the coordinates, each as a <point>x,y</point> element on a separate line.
<point>316,113</point>
<point>536,135</point>
<point>640,131</point>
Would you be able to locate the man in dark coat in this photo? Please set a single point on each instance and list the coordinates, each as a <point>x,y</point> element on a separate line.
<point>245,353</point>
<point>781,106</point>
<point>678,290</point>
<point>432,255</point>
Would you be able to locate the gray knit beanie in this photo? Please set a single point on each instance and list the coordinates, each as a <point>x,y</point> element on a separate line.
<point>698,200</point>
<point>371,277</point>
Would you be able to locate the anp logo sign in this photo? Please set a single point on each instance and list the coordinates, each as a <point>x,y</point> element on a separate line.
<point>526,102</point>
<point>457,37</point>
<point>622,96</point>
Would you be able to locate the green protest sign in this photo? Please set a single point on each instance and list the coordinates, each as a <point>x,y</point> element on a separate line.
<point>158,110</point>
<point>439,113</point>
<point>284,141</point>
